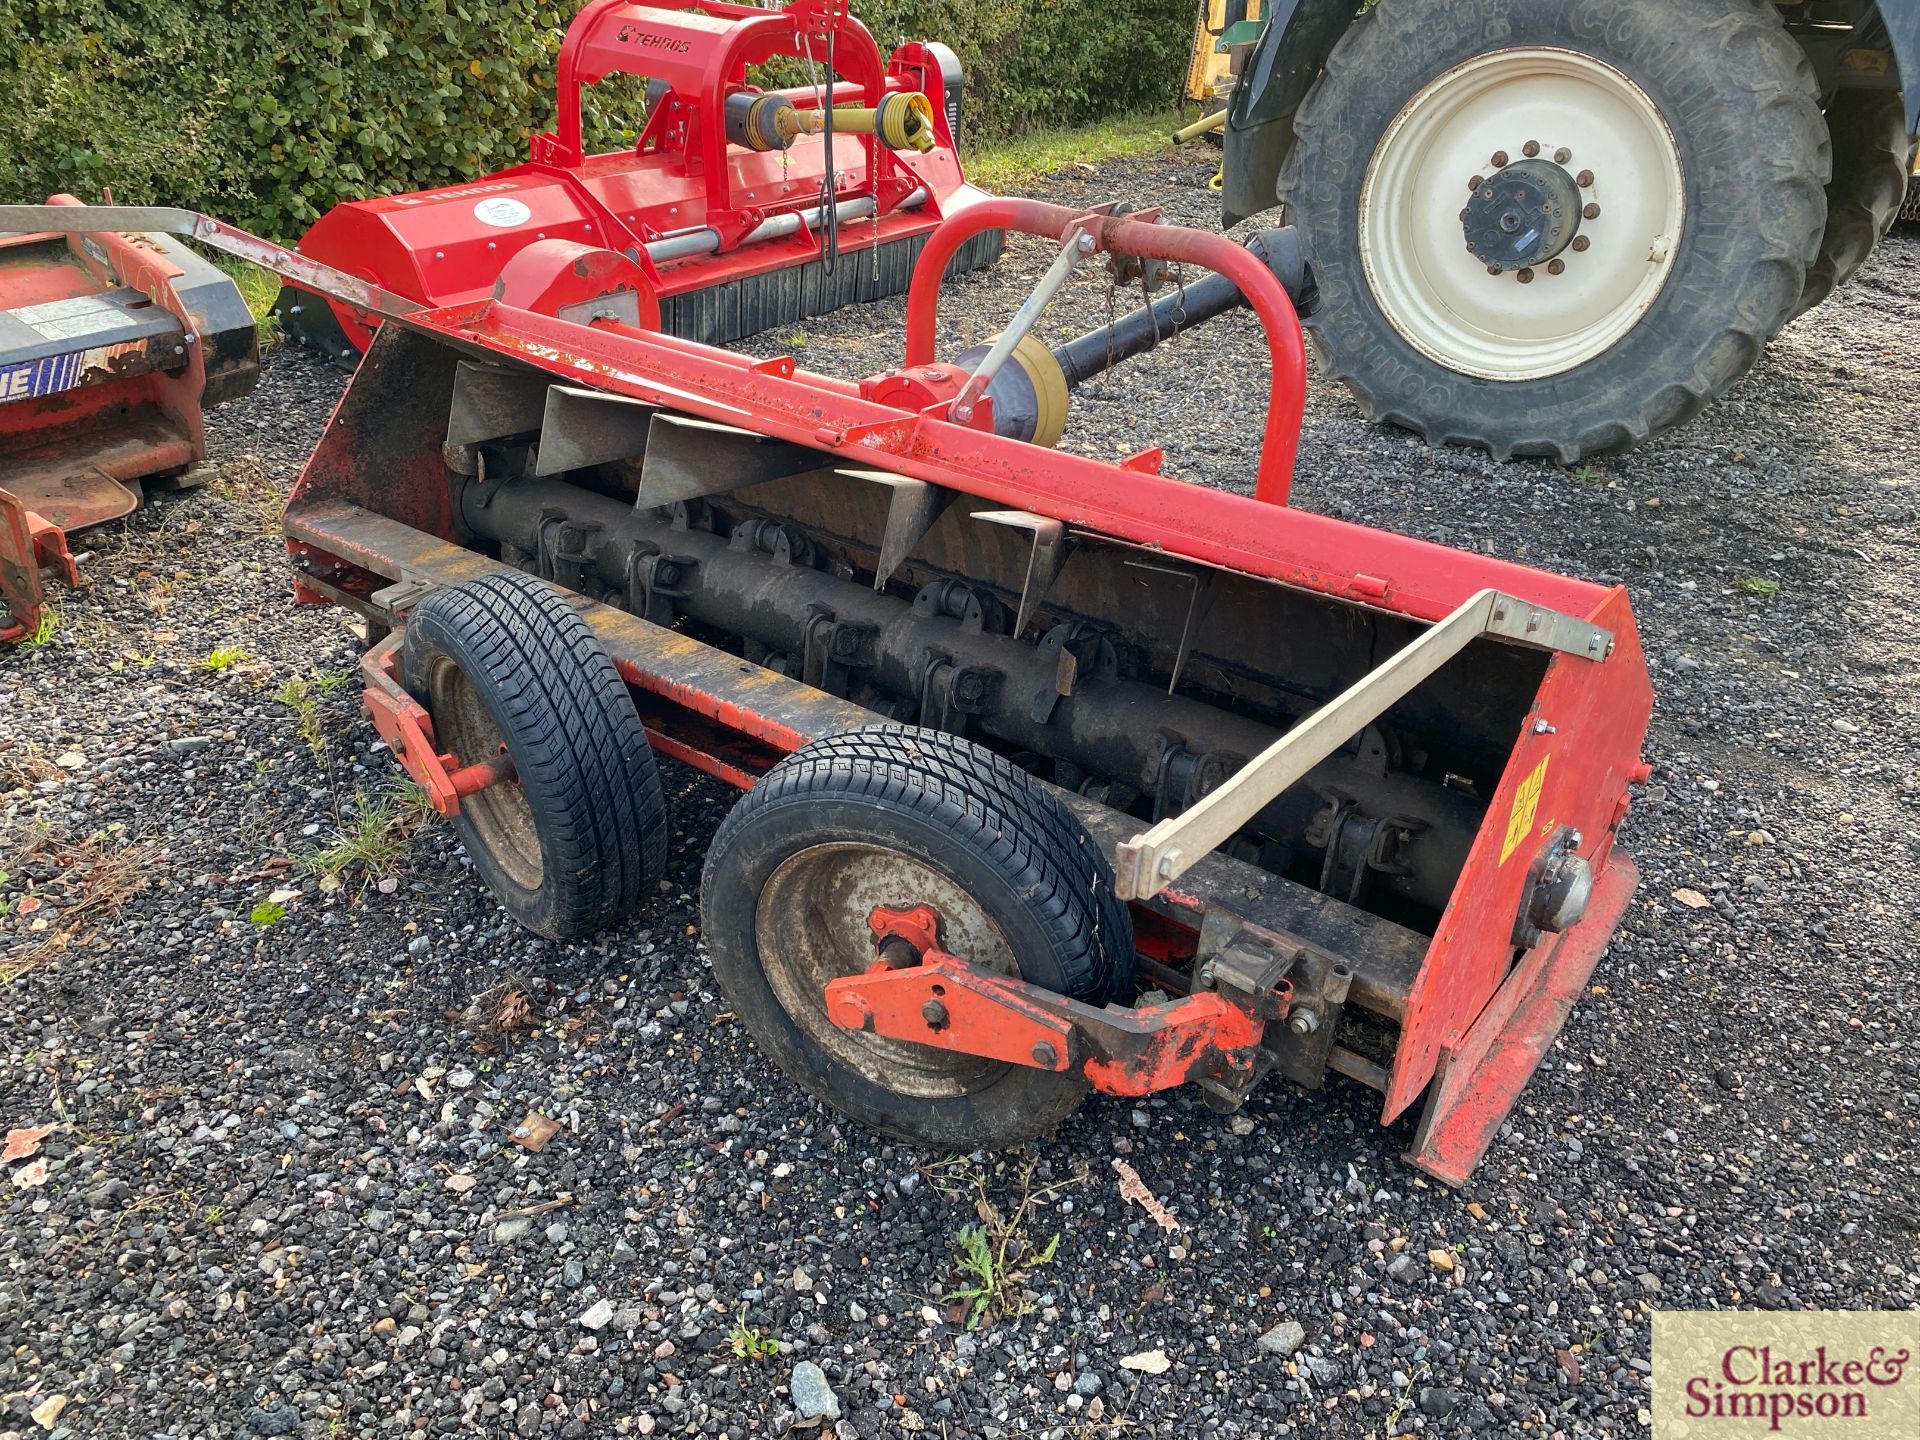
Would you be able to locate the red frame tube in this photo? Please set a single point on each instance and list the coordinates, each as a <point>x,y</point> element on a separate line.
<point>1286,348</point>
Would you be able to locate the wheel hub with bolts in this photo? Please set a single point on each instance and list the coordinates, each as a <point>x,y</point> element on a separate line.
<point>1523,216</point>
<point>1446,275</point>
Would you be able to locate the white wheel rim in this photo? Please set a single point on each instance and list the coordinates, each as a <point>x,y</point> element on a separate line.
<point>1434,290</point>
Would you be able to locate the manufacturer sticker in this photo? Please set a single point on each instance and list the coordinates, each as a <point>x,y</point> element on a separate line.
<point>502,212</point>
<point>1526,804</point>
<point>26,379</point>
<point>40,377</point>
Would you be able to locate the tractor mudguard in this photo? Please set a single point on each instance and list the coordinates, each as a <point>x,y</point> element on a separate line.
<point>1290,53</point>
<point>1902,20</point>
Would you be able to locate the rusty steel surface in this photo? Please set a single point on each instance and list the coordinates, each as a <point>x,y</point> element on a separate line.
<point>111,345</point>
<point>404,723</point>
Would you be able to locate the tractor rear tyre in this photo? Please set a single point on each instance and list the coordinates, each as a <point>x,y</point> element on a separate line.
<point>1552,229</point>
<point>577,839</point>
<point>901,816</point>
<point>1872,160</point>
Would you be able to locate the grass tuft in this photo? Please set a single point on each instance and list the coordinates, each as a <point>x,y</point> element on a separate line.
<point>1005,164</point>
<point>376,841</point>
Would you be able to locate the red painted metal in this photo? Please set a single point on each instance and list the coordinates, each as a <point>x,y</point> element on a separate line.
<point>1137,235</point>
<point>29,545</point>
<point>925,995</point>
<point>1474,1014</point>
<point>404,724</point>
<point>1482,1073</point>
<point>448,245</point>
<point>566,278</point>
<point>1314,552</point>
<point>1582,740</point>
<point>124,409</point>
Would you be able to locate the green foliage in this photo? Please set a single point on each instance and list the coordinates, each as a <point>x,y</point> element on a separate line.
<point>267,912</point>
<point>269,112</point>
<point>748,1343</point>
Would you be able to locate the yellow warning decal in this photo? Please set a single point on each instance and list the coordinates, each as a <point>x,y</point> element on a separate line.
<point>1526,804</point>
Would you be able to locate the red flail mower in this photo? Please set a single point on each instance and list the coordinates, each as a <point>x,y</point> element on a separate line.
<point>1060,775</point>
<point>111,345</point>
<point>722,201</point>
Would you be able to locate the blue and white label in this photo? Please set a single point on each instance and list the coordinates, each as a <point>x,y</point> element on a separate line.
<point>42,377</point>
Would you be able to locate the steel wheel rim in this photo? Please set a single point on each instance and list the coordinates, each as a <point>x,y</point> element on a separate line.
<point>499,816</point>
<point>810,926</point>
<point>1432,288</point>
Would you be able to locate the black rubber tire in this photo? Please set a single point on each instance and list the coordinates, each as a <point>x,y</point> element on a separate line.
<point>1742,103</point>
<point>969,816</point>
<point>586,807</point>
<point>1872,161</point>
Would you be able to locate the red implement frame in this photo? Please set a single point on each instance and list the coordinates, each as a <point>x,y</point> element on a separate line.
<point>920,993</point>
<point>404,724</point>
<point>373,507</point>
<point>1286,352</point>
<point>75,458</point>
<point>1471,1015</point>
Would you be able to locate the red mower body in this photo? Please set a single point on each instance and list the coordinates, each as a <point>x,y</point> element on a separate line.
<point>726,234</point>
<point>111,346</point>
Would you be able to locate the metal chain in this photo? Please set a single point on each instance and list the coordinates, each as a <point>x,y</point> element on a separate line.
<point>1180,301</point>
<point>1113,291</point>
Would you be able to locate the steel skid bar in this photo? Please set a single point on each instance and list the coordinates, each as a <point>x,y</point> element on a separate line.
<point>216,234</point>
<point>1155,858</point>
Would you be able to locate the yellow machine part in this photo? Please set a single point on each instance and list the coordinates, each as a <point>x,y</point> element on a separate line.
<point>1208,76</point>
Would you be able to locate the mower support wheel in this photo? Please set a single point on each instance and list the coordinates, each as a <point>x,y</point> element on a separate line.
<point>899,817</point>
<point>577,839</point>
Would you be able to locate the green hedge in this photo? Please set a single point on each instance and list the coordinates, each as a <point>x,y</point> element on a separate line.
<point>268,112</point>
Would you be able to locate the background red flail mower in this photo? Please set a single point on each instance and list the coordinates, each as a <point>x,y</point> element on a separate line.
<point>111,345</point>
<point>1061,774</point>
<point>745,208</point>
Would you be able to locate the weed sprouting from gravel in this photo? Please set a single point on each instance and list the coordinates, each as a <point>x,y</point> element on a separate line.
<point>252,494</point>
<point>375,842</point>
<point>993,1254</point>
<point>43,632</point>
<point>1758,586</point>
<point>298,696</point>
<point>224,657</point>
<point>746,1341</point>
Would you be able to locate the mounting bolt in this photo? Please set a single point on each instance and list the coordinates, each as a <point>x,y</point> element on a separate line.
<point>1085,243</point>
<point>1499,159</point>
<point>1592,211</point>
<point>1476,182</point>
<point>935,1014</point>
<point>1045,1056</point>
<point>1581,242</point>
<point>963,414</point>
<point>1303,1021</point>
<point>1493,269</point>
<point>1530,149</point>
<point>1524,275</point>
<point>1562,155</point>
<point>1543,727</point>
<point>1556,265</point>
<point>1583,179</point>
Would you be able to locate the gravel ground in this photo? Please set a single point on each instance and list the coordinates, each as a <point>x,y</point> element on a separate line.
<point>283,1193</point>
